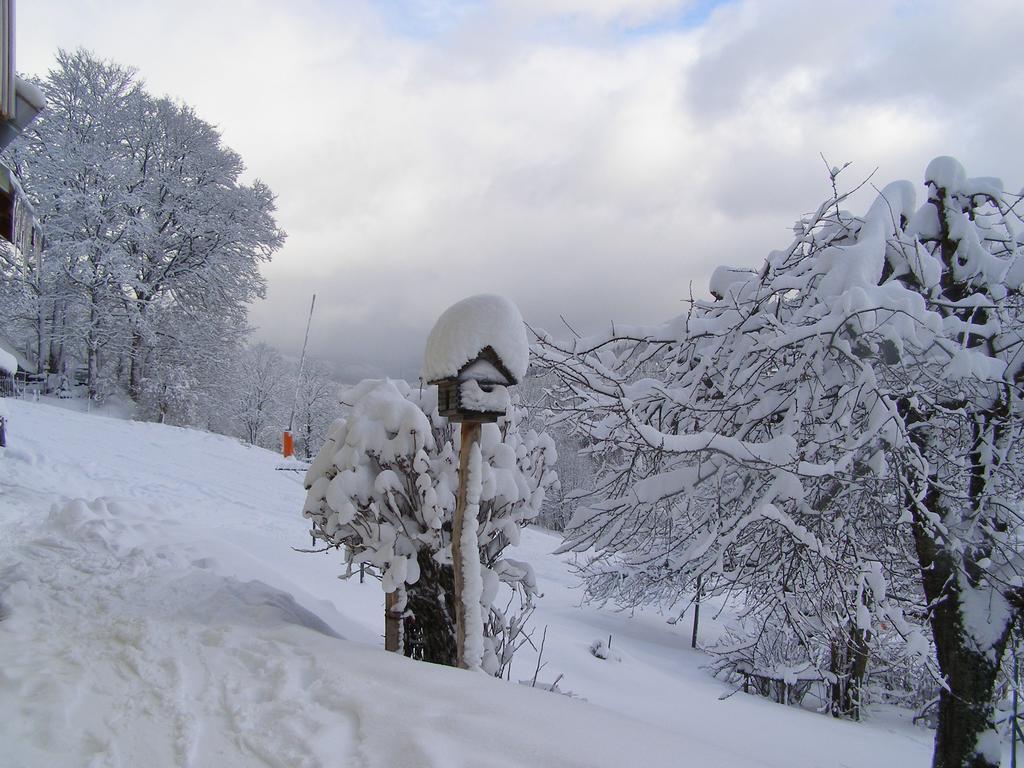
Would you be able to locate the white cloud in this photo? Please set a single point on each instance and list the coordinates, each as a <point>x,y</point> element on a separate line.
<point>590,177</point>
<point>624,12</point>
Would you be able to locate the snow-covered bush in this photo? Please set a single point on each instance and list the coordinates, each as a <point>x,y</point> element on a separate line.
<point>602,649</point>
<point>384,487</point>
<point>769,659</point>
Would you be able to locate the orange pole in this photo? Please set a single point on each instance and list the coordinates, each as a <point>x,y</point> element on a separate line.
<point>287,445</point>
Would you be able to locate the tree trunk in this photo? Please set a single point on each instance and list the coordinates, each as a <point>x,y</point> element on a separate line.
<point>849,663</point>
<point>56,364</point>
<point>92,361</point>
<point>859,668</point>
<point>40,336</point>
<point>392,623</point>
<point>92,343</point>
<point>430,627</point>
<point>135,367</point>
<point>138,351</point>
<point>966,710</point>
<point>307,433</point>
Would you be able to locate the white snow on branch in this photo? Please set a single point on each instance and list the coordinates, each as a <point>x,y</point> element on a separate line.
<point>778,451</point>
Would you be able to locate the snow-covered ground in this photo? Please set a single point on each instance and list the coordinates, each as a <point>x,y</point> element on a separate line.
<point>153,612</point>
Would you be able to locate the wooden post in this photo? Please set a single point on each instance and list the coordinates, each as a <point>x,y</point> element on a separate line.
<point>392,622</point>
<point>696,614</point>
<point>470,435</point>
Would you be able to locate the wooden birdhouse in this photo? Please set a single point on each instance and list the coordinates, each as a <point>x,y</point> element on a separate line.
<point>475,351</point>
<point>477,393</point>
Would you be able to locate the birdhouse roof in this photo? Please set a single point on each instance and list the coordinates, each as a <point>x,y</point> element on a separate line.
<point>486,328</point>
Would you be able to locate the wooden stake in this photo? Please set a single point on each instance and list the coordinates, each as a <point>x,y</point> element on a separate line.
<point>470,436</point>
<point>392,621</point>
<point>696,614</point>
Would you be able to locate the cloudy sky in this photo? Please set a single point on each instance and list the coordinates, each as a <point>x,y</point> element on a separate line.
<point>592,159</point>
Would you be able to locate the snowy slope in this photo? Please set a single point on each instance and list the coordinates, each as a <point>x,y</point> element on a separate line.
<point>155,613</point>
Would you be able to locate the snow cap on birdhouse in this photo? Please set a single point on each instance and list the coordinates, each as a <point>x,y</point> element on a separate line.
<point>477,348</point>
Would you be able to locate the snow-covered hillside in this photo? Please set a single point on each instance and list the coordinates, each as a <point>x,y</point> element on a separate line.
<point>154,613</point>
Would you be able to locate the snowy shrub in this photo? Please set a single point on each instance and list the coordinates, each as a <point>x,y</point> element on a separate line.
<point>602,649</point>
<point>772,657</point>
<point>384,488</point>
<point>902,679</point>
<point>552,687</point>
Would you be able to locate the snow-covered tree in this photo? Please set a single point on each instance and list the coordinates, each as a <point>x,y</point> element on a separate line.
<point>146,221</point>
<point>193,368</point>
<point>841,419</point>
<point>71,163</point>
<point>315,395</point>
<point>384,488</point>
<point>199,235</point>
<point>258,387</point>
<point>575,467</point>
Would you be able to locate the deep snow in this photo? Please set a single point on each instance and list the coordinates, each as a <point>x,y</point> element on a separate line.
<point>155,614</point>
